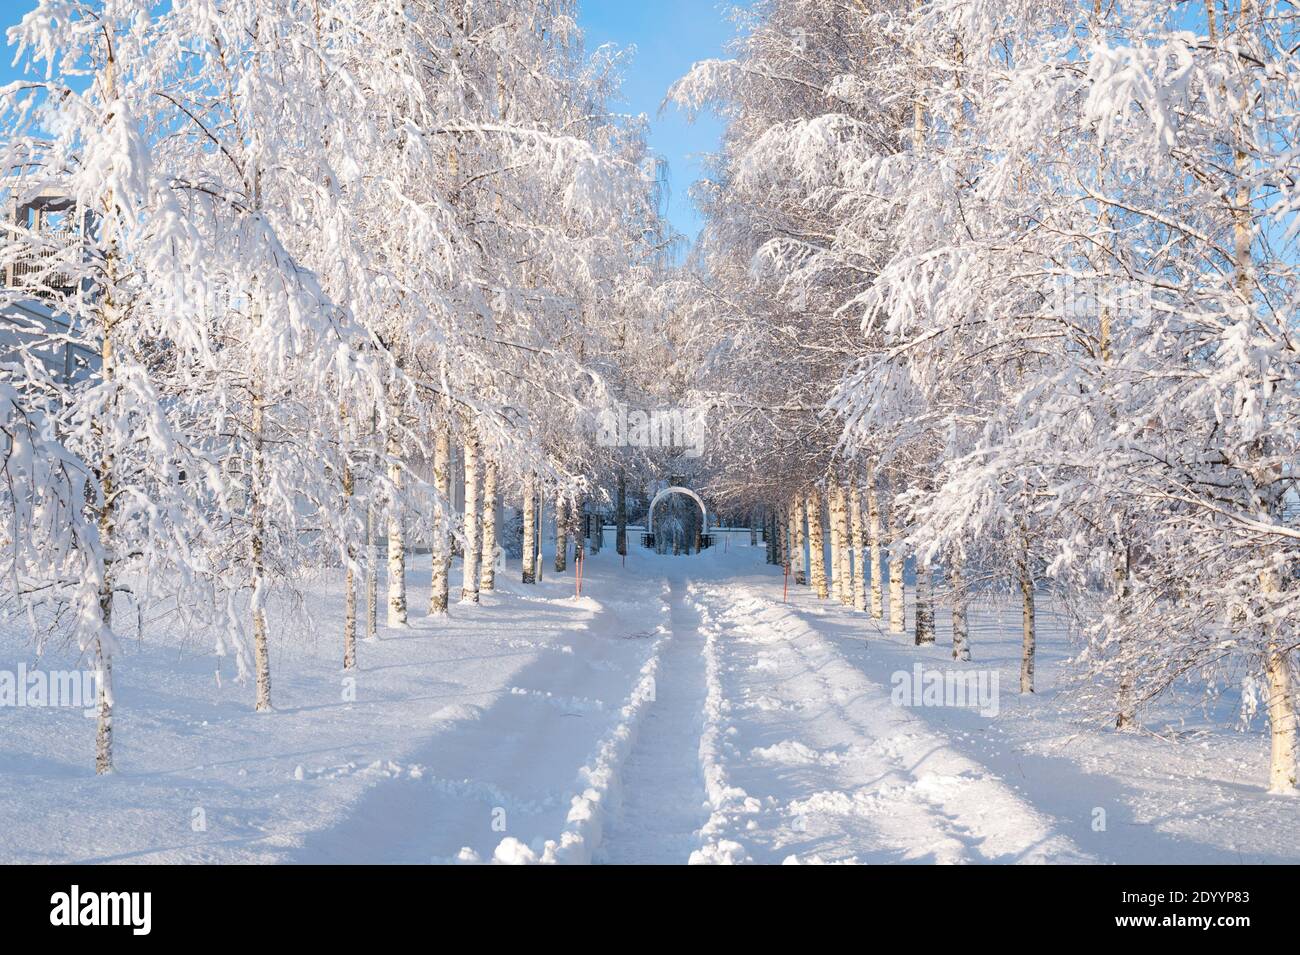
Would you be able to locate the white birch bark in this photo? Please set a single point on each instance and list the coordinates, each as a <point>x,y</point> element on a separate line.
<point>834,507</point>
<point>816,544</point>
<point>440,552</point>
<point>800,541</point>
<point>103,658</point>
<point>1027,621</point>
<point>473,519</point>
<point>539,506</point>
<point>372,573</point>
<point>1278,679</point>
<point>488,567</point>
<point>257,516</point>
<point>104,698</point>
<point>897,565</point>
<point>1281,703</point>
<point>858,535</point>
<point>924,615</point>
<point>579,537</point>
<point>844,561</point>
<point>792,535</point>
<point>108,487</point>
<point>396,534</point>
<point>960,629</point>
<point>1126,718</point>
<point>530,523</point>
<point>349,585</point>
<point>877,562</point>
<point>561,533</point>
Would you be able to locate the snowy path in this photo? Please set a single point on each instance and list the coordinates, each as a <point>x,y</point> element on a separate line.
<point>679,711</point>
<point>663,801</point>
<point>764,744</point>
<point>819,764</point>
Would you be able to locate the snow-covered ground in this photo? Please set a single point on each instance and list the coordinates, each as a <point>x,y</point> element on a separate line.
<point>678,711</point>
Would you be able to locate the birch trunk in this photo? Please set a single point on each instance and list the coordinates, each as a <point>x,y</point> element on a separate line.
<point>620,538</point>
<point>877,563</point>
<point>897,588</point>
<point>530,522</point>
<point>859,538</point>
<point>800,542</point>
<point>561,533</point>
<point>349,585</point>
<point>396,534</point>
<point>792,535</point>
<point>372,576</point>
<point>107,472</point>
<point>440,553</point>
<point>261,651</point>
<point>816,544</point>
<point>488,567</point>
<point>960,630</point>
<point>579,532</point>
<point>1127,717</point>
<point>103,654</point>
<point>473,519</point>
<point>924,622</point>
<point>844,565</point>
<point>1277,654</point>
<point>104,697</point>
<point>1027,614</point>
<point>834,506</point>
<point>540,506</point>
<point>1281,701</point>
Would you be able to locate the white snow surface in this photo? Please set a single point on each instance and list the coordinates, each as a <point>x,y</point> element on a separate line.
<point>678,712</point>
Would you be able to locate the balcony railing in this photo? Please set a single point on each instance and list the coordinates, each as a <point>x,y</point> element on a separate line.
<point>44,272</point>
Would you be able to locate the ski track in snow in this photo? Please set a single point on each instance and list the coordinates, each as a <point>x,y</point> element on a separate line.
<point>663,801</point>
<point>820,765</point>
<point>680,711</point>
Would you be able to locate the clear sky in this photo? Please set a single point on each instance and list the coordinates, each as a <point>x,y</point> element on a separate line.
<point>669,35</point>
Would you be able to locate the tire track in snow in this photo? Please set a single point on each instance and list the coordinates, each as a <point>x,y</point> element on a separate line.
<point>854,777</point>
<point>805,795</point>
<point>663,798</point>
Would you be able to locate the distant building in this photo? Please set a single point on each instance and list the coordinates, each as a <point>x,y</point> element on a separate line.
<point>44,272</point>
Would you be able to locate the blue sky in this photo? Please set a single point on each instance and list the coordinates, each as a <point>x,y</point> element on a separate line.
<point>669,35</point>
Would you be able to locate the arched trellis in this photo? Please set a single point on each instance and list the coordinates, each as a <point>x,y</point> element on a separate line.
<point>704,511</point>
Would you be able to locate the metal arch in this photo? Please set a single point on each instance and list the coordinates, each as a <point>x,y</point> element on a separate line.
<point>650,519</point>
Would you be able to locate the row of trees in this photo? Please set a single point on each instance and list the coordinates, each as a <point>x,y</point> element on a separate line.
<point>1025,275</point>
<point>331,249</point>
